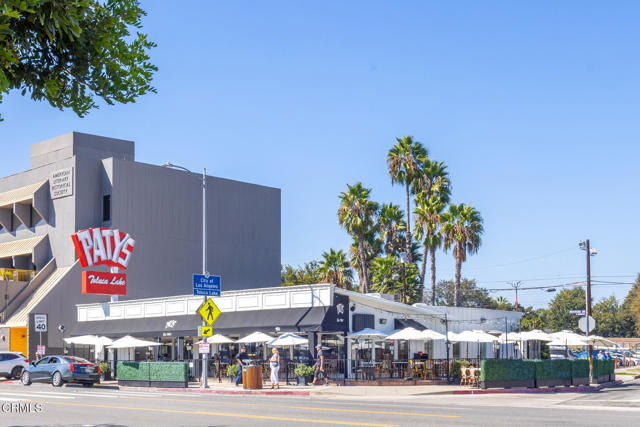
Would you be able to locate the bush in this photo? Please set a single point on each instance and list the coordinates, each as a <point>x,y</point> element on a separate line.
<point>603,367</point>
<point>455,369</point>
<point>232,370</point>
<point>553,369</point>
<point>579,368</point>
<point>168,371</point>
<point>507,370</point>
<point>105,368</point>
<point>138,371</point>
<point>303,371</point>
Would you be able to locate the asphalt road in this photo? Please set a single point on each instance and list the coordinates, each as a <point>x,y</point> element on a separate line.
<point>71,405</point>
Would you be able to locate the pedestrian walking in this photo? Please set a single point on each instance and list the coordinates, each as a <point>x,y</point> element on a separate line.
<point>274,364</point>
<point>318,373</point>
<point>241,358</point>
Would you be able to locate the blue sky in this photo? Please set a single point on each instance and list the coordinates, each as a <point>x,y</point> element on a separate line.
<point>534,107</point>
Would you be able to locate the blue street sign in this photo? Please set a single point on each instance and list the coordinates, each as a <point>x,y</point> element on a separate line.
<point>206,286</point>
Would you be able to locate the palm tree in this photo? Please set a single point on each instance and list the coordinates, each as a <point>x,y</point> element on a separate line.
<point>404,160</point>
<point>429,229</point>
<point>372,248</point>
<point>387,274</point>
<point>462,228</point>
<point>391,226</point>
<point>336,269</point>
<point>356,214</point>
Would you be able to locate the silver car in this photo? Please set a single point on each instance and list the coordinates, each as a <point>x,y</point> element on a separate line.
<point>61,369</point>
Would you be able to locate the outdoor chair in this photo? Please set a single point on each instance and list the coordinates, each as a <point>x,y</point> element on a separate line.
<point>464,375</point>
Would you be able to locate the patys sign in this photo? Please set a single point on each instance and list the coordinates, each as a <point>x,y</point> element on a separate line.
<point>104,246</point>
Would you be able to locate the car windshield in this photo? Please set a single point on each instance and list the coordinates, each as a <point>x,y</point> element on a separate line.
<point>76,360</point>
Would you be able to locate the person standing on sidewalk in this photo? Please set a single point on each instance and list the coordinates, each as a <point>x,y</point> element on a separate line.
<point>241,358</point>
<point>319,366</point>
<point>274,364</point>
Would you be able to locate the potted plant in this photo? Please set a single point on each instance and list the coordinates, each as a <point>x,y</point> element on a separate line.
<point>303,373</point>
<point>232,371</point>
<point>105,371</point>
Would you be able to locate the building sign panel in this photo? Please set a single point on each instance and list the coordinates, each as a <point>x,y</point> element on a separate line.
<point>96,282</point>
<point>61,183</point>
<point>103,246</point>
<point>337,316</point>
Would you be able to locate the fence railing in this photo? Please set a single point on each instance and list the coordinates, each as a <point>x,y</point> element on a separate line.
<point>16,274</point>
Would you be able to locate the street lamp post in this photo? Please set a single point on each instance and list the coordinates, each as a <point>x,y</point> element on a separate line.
<point>205,356</point>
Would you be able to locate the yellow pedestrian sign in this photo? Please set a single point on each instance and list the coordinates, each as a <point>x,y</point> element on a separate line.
<point>205,331</point>
<point>209,311</point>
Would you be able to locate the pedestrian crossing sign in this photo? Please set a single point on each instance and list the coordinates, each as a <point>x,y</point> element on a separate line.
<point>205,331</point>
<point>209,311</point>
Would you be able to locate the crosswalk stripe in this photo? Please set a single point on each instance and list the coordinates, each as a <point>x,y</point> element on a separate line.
<point>41,395</point>
<point>11,399</point>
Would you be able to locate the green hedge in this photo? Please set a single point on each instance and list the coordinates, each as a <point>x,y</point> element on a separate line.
<point>455,369</point>
<point>602,367</point>
<point>169,371</point>
<point>507,370</point>
<point>138,371</point>
<point>579,368</point>
<point>549,369</point>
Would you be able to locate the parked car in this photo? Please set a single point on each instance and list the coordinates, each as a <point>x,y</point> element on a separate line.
<point>62,369</point>
<point>12,363</point>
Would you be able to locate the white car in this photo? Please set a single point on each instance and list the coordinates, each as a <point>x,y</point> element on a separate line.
<point>12,363</point>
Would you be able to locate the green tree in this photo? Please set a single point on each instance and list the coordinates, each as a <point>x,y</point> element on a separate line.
<point>606,314</point>
<point>71,52</point>
<point>629,316</point>
<point>387,277</point>
<point>469,294</point>
<point>428,213</point>
<point>501,303</point>
<point>372,248</point>
<point>462,228</point>
<point>309,273</point>
<point>557,316</point>
<point>336,269</point>
<point>404,160</point>
<point>392,227</point>
<point>356,215</point>
<point>532,319</point>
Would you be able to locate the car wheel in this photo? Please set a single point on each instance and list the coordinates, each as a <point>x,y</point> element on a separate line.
<point>56,379</point>
<point>26,378</point>
<point>16,372</point>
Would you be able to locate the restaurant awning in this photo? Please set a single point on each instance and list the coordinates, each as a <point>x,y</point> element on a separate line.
<point>408,323</point>
<point>235,323</point>
<point>19,202</point>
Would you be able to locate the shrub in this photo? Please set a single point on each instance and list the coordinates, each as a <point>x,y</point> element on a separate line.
<point>232,370</point>
<point>507,369</point>
<point>133,371</point>
<point>455,369</point>
<point>168,371</point>
<point>579,368</point>
<point>303,371</point>
<point>553,369</point>
<point>603,367</point>
<point>105,367</point>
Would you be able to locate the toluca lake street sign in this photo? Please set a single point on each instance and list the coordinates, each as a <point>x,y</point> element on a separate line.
<point>578,312</point>
<point>209,311</point>
<point>206,285</point>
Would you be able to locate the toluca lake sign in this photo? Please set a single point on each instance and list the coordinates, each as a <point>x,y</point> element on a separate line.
<point>103,246</point>
<point>96,282</point>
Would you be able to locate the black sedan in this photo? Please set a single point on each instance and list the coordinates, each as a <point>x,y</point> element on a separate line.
<point>61,369</point>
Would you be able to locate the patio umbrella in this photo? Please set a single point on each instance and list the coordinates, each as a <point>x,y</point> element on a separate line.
<point>131,342</point>
<point>219,339</point>
<point>256,337</point>
<point>600,341</point>
<point>94,340</point>
<point>428,334</point>
<point>369,334</point>
<point>536,335</point>
<point>407,334</point>
<point>567,339</point>
<point>287,339</point>
<point>474,336</point>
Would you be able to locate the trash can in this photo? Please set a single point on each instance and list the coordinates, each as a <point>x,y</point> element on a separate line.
<point>252,377</point>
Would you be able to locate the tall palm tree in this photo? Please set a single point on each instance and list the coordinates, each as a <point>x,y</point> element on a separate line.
<point>356,215</point>
<point>429,230</point>
<point>404,160</point>
<point>336,269</point>
<point>462,228</point>
<point>391,226</point>
<point>372,248</point>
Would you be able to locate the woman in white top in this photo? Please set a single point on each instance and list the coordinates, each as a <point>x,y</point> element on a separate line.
<point>274,364</point>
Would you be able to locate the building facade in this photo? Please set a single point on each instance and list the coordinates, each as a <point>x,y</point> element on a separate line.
<point>78,181</point>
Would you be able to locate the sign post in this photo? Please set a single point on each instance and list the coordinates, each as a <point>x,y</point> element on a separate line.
<point>206,285</point>
<point>40,324</point>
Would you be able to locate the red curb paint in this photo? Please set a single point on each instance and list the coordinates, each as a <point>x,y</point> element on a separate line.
<point>241,392</point>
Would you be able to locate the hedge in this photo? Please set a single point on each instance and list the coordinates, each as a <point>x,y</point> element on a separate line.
<point>133,371</point>
<point>455,369</point>
<point>579,368</point>
<point>601,368</point>
<point>552,369</point>
<point>168,371</point>
<point>507,370</point>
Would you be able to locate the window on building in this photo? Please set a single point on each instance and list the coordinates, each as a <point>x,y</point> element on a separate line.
<point>106,207</point>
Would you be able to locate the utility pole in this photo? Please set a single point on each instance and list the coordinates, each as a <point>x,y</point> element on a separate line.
<point>586,246</point>
<point>516,286</point>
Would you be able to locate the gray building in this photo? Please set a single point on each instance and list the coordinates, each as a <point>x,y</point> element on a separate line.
<point>78,181</point>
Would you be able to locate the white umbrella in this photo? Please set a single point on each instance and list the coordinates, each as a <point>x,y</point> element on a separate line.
<point>219,339</point>
<point>474,336</point>
<point>130,342</point>
<point>407,334</point>
<point>600,341</point>
<point>567,338</point>
<point>256,337</point>
<point>536,335</point>
<point>510,337</point>
<point>288,339</point>
<point>89,340</point>
<point>368,334</point>
<point>428,334</point>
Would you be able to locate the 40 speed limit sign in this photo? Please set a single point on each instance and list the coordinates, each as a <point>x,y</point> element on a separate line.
<point>40,322</point>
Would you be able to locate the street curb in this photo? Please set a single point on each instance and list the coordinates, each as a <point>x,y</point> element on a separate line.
<point>241,392</point>
<point>578,389</point>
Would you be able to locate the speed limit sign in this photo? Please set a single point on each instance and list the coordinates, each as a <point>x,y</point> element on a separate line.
<point>40,322</point>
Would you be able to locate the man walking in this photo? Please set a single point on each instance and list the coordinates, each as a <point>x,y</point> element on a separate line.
<point>319,366</point>
<point>241,358</point>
